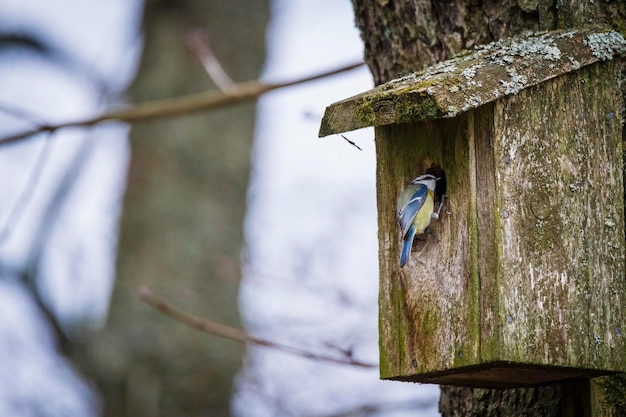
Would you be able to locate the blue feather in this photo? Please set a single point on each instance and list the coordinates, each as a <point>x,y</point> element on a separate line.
<point>407,246</point>
<point>414,209</point>
<point>409,203</point>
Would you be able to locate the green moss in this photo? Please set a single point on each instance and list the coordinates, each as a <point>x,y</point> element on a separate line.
<point>428,82</point>
<point>402,328</point>
<point>463,356</point>
<point>406,106</point>
<point>412,110</point>
<point>364,110</point>
<point>614,390</point>
<point>399,328</point>
<point>430,325</point>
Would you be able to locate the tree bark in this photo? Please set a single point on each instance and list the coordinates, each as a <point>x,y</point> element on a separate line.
<point>182,226</point>
<point>404,36</point>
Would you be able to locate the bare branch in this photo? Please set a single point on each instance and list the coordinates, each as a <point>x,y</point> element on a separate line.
<point>232,333</point>
<point>197,41</point>
<point>177,106</point>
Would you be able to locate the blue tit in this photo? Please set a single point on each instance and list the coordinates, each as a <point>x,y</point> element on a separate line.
<point>414,210</point>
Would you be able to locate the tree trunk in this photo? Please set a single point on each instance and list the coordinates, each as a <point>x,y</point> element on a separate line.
<point>403,36</point>
<point>182,226</point>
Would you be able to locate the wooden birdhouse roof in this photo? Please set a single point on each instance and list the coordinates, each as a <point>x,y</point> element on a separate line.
<point>473,79</point>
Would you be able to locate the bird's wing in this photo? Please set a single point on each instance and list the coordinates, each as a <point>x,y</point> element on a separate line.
<point>406,246</point>
<point>409,203</point>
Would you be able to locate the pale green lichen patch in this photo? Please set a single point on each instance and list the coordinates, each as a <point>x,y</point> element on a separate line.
<point>516,83</point>
<point>470,72</point>
<point>575,64</point>
<point>543,46</point>
<point>605,45</point>
<point>472,101</point>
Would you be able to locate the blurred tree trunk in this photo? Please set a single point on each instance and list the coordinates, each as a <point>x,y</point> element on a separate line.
<point>403,36</point>
<point>182,226</point>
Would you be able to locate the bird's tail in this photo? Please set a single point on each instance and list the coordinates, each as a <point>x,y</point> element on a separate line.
<point>407,246</point>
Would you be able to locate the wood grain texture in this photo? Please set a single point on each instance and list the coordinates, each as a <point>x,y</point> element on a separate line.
<point>398,43</point>
<point>561,272</point>
<point>524,282</point>
<point>429,309</point>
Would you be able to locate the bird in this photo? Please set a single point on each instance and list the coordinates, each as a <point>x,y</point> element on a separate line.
<point>414,210</point>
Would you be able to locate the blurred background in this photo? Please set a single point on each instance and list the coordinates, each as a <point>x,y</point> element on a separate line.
<point>240,215</point>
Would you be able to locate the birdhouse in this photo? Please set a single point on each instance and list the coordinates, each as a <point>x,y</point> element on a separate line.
<point>522,278</point>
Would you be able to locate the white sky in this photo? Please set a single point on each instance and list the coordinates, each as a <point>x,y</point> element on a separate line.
<point>312,272</point>
<point>69,222</point>
<point>311,262</point>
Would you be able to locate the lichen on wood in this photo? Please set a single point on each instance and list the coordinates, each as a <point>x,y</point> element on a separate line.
<point>525,277</point>
<point>474,79</point>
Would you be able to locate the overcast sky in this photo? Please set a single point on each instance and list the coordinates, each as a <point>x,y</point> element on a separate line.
<point>311,269</point>
<point>311,229</point>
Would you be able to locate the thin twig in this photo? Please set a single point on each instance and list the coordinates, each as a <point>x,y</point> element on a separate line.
<point>232,333</point>
<point>352,143</point>
<point>197,41</point>
<point>176,106</point>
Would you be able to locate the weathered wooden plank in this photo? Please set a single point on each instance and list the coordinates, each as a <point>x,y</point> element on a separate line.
<point>469,81</point>
<point>524,282</point>
<point>560,220</point>
<point>428,310</point>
